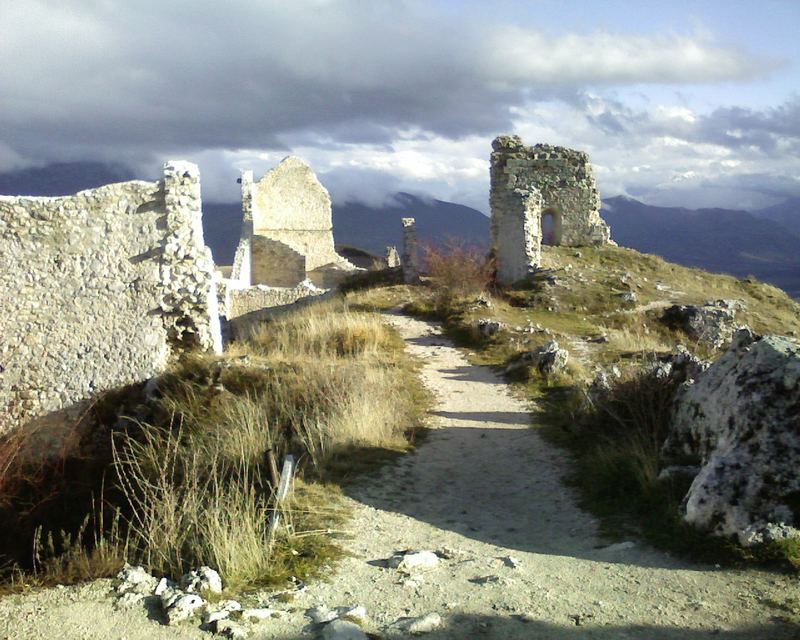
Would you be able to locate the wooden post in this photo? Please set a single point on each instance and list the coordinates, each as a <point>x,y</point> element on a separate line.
<point>272,465</point>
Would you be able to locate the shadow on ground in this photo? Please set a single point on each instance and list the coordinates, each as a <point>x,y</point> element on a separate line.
<point>465,627</point>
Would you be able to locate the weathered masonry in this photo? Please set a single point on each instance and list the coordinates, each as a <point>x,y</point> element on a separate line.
<point>286,249</point>
<point>288,229</point>
<point>537,189</point>
<point>99,289</point>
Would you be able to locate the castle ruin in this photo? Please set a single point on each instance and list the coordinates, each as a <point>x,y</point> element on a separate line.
<point>533,188</point>
<point>286,249</point>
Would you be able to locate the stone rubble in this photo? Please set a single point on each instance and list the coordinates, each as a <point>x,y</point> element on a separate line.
<point>712,323</point>
<point>408,561</point>
<point>487,327</point>
<point>202,579</point>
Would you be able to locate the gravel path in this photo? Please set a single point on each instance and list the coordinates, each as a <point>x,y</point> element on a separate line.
<point>521,560</point>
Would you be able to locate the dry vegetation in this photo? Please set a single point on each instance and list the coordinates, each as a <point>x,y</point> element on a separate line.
<point>184,480</point>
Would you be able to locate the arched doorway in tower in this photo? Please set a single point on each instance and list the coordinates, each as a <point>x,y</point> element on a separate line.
<point>551,227</point>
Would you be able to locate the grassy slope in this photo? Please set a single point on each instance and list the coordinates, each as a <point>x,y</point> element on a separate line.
<point>575,299</point>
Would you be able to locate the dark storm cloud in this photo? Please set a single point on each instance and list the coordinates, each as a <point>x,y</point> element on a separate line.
<point>115,79</point>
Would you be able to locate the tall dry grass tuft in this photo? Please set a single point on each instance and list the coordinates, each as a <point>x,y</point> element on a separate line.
<point>190,507</point>
<point>189,479</point>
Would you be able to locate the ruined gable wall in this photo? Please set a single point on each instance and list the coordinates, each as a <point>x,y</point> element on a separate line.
<point>98,290</point>
<point>291,206</point>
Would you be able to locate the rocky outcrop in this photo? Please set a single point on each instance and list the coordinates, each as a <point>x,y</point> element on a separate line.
<point>741,418</point>
<point>712,323</point>
<point>547,359</point>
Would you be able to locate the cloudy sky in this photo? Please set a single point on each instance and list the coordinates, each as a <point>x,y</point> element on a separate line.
<point>689,103</point>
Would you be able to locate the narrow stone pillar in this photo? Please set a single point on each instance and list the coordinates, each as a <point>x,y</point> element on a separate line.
<point>189,298</point>
<point>410,251</point>
<point>241,271</point>
<point>392,257</point>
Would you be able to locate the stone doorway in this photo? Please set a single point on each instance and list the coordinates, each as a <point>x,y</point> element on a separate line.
<point>551,227</point>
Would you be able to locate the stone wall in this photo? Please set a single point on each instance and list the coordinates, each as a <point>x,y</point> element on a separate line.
<point>252,305</point>
<point>99,290</point>
<point>275,263</point>
<point>565,188</point>
<point>290,205</point>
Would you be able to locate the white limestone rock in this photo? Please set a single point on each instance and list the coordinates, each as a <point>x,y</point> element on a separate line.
<point>409,561</point>
<point>257,614</point>
<point>487,327</point>
<point>179,606</point>
<point>547,359</point>
<point>712,323</point>
<point>136,579</point>
<point>321,615</point>
<point>220,611</point>
<point>202,579</point>
<point>419,625</point>
<point>741,418</point>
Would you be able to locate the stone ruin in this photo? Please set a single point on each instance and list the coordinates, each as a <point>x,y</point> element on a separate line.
<point>102,288</point>
<point>286,249</point>
<point>99,290</point>
<point>531,186</point>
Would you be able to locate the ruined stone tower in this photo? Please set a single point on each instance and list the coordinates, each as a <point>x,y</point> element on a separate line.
<point>531,184</point>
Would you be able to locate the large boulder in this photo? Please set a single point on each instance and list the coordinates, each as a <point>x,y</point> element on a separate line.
<point>712,323</point>
<point>741,418</point>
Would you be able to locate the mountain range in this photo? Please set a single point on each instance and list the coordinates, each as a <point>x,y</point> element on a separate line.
<point>763,243</point>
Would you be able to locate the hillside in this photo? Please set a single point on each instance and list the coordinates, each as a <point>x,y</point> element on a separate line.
<point>786,213</point>
<point>719,240</point>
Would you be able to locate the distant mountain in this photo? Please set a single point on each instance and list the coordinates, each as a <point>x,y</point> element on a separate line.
<point>373,229</point>
<point>722,240</point>
<point>786,213</point>
<point>61,178</point>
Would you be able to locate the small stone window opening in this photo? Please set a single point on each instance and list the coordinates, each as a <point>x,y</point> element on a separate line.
<point>551,228</point>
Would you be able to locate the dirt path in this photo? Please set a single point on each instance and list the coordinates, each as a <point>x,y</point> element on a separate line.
<point>524,562</point>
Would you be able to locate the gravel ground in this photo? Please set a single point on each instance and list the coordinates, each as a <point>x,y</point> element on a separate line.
<point>518,558</point>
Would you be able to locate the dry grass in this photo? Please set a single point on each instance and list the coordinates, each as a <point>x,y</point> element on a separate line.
<point>189,483</point>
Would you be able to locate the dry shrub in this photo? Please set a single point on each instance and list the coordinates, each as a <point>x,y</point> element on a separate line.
<point>457,271</point>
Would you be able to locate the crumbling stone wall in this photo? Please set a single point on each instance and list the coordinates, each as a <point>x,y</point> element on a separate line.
<point>528,183</point>
<point>252,305</point>
<point>290,205</point>
<point>99,289</point>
